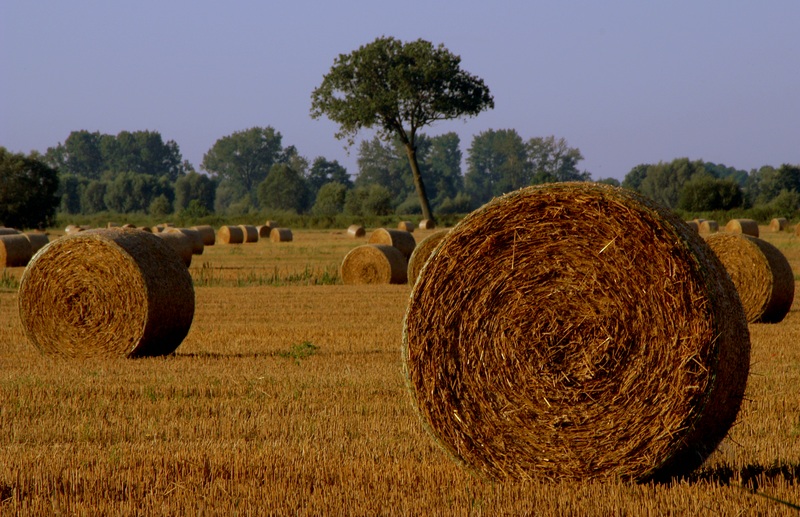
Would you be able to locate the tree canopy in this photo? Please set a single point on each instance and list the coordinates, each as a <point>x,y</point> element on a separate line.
<point>397,88</point>
<point>244,158</point>
<point>27,191</point>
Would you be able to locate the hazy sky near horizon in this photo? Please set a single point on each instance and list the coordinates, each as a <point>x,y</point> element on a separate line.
<point>627,82</point>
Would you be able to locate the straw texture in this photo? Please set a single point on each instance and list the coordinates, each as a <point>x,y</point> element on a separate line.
<point>742,226</point>
<point>406,226</point>
<point>544,339</point>
<point>281,235</point>
<point>778,224</point>
<point>761,273</point>
<point>230,235</point>
<point>421,253</point>
<point>15,250</point>
<point>708,227</point>
<point>400,239</point>
<point>374,264</point>
<point>250,232</point>
<point>427,224</point>
<point>194,237</point>
<point>356,230</point>
<point>180,243</point>
<point>106,292</point>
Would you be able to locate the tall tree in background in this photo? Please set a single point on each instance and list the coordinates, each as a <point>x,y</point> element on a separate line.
<point>244,158</point>
<point>28,189</point>
<point>398,88</point>
<point>497,163</point>
<point>324,171</point>
<point>443,167</point>
<point>552,160</point>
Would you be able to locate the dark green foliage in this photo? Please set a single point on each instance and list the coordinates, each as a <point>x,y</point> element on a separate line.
<point>283,189</point>
<point>69,191</point>
<point>663,181</point>
<point>495,165</point>
<point>703,193</point>
<point>368,201</point>
<point>28,188</point>
<point>244,158</point>
<point>330,199</point>
<point>324,171</point>
<point>194,187</point>
<point>160,206</point>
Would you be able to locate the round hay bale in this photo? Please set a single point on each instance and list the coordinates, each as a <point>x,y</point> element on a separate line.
<point>356,231</point>
<point>281,235</point>
<point>194,237</point>
<point>72,228</point>
<point>742,226</point>
<point>406,226</point>
<point>421,253</point>
<point>271,224</point>
<point>207,234</point>
<point>374,264</point>
<point>106,292</point>
<point>145,229</point>
<point>112,225</point>
<point>263,231</point>
<point>250,232</point>
<point>180,243</point>
<point>760,272</point>
<point>9,231</point>
<point>427,224</point>
<point>15,250</point>
<point>694,225</point>
<point>544,339</point>
<point>230,235</point>
<point>400,239</point>
<point>37,240</point>
<point>778,224</point>
<point>707,227</point>
<point>129,225</point>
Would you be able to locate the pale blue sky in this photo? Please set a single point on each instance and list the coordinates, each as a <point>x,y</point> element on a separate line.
<point>625,82</point>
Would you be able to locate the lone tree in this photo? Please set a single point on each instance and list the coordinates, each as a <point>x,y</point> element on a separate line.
<point>398,88</point>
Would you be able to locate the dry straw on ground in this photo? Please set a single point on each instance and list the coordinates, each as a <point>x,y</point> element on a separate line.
<point>356,230</point>
<point>230,235</point>
<point>778,224</point>
<point>281,235</point>
<point>400,239</point>
<point>427,224</point>
<point>250,232</point>
<point>406,226</point>
<point>15,250</point>
<point>421,253</point>
<point>180,243</point>
<point>761,273</point>
<point>207,233</point>
<point>374,264</point>
<point>707,227</point>
<point>37,240</point>
<point>742,226</point>
<point>110,292</point>
<point>544,339</point>
<point>194,237</point>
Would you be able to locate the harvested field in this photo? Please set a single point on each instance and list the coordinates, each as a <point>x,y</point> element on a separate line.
<point>308,413</point>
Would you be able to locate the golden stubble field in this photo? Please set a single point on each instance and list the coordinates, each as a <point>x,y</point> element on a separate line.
<point>289,398</point>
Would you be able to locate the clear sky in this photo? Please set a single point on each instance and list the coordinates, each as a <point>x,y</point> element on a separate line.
<point>626,82</point>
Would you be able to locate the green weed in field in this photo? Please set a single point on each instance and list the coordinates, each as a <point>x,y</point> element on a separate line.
<point>300,351</point>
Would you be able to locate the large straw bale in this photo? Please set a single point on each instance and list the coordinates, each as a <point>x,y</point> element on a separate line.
<point>708,227</point>
<point>194,236</point>
<point>374,264</point>
<point>778,224</point>
<point>37,240</point>
<point>230,235</point>
<point>8,231</point>
<point>15,250</point>
<point>180,243</point>
<point>544,339</point>
<point>250,232</point>
<point>207,233</point>
<point>742,226</point>
<point>427,224</point>
<point>281,235</point>
<point>400,239</point>
<point>421,253</point>
<point>761,273</point>
<point>406,226</point>
<point>106,292</point>
<point>356,230</point>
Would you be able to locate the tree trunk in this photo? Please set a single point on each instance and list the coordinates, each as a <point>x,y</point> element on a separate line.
<point>418,184</point>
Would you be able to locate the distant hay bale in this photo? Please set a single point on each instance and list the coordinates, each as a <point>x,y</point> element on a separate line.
<point>129,225</point>
<point>281,235</point>
<point>263,231</point>
<point>8,231</point>
<point>106,292</point>
<point>72,228</point>
<point>194,236</point>
<point>230,235</point>
<point>37,240</point>
<point>400,239</point>
<point>707,227</point>
<point>271,224</point>
<point>427,224</point>
<point>250,232</point>
<point>421,253</point>
<point>406,226</point>
<point>180,243</point>
<point>207,233</point>
<point>778,224</point>
<point>742,226</point>
<point>374,264</point>
<point>356,230</point>
<point>112,225</point>
<point>694,225</point>
<point>15,250</point>
<point>761,273</point>
<point>545,340</point>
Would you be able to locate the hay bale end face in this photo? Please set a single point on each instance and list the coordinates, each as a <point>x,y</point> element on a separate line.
<point>421,253</point>
<point>532,351</point>
<point>406,226</point>
<point>400,239</point>
<point>107,292</point>
<point>15,250</point>
<point>263,231</point>
<point>778,224</point>
<point>761,273</point>
<point>250,232</point>
<point>742,226</point>
<point>708,227</point>
<point>427,224</point>
<point>374,264</point>
<point>207,233</point>
<point>281,235</point>
<point>356,231</point>
<point>230,235</point>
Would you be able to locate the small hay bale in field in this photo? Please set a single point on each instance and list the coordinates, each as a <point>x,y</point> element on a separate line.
<point>112,225</point>
<point>230,235</point>
<point>194,236</point>
<point>129,225</point>
<point>271,224</point>
<point>543,339</point>
<point>400,239</point>
<point>427,224</point>
<point>8,231</point>
<point>778,224</point>
<point>180,243</point>
<point>263,231</point>
<point>356,231</point>
<point>374,264</point>
<point>15,250</point>
<point>281,235</point>
<point>250,232</point>
<point>421,253</point>
<point>742,226</point>
<point>760,272</point>
<point>694,225</point>
<point>406,226</point>
<point>37,240</point>
<point>106,292</point>
<point>707,227</point>
<point>72,228</point>
<point>207,233</point>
